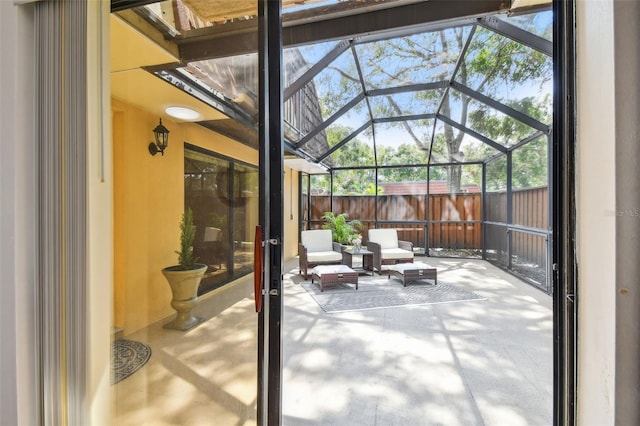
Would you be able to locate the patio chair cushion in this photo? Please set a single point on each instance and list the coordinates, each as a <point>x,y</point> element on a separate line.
<point>324,256</point>
<point>396,253</point>
<point>212,234</point>
<point>317,247</point>
<point>402,267</point>
<point>387,238</point>
<point>387,248</point>
<point>413,272</point>
<point>317,240</point>
<point>331,269</point>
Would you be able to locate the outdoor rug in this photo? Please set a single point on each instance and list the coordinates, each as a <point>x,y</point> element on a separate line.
<point>127,357</point>
<point>380,292</point>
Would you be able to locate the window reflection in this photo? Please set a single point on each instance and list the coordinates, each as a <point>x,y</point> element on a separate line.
<point>223,195</point>
<point>244,203</point>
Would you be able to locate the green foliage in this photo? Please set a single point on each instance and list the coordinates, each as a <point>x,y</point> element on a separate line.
<point>186,261</point>
<point>530,161</point>
<point>402,154</point>
<point>371,189</point>
<point>353,182</point>
<point>337,133</point>
<point>494,65</point>
<point>530,164</point>
<point>320,184</point>
<point>343,230</point>
<point>354,153</point>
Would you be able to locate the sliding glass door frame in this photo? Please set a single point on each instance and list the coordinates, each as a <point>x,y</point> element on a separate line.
<point>271,218</point>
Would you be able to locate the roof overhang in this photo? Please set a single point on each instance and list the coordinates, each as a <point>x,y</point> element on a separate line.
<point>236,38</point>
<point>302,165</point>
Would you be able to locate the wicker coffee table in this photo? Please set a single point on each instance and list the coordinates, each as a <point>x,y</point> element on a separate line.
<point>416,271</point>
<point>328,275</point>
<point>367,259</point>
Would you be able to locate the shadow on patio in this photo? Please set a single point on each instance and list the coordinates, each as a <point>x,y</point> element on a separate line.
<point>485,362</point>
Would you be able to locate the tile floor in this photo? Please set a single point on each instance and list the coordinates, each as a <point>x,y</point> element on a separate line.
<point>486,362</point>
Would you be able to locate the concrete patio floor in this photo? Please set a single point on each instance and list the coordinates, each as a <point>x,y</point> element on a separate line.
<point>485,362</point>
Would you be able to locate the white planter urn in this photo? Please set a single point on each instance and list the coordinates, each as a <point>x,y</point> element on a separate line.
<point>184,289</point>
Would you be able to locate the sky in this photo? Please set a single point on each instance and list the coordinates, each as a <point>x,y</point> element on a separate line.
<point>330,83</point>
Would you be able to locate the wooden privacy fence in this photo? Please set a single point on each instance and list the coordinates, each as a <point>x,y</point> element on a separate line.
<point>454,220</point>
<point>530,209</point>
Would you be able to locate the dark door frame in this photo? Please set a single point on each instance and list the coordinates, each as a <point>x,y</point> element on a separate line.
<point>563,214</point>
<point>564,262</point>
<point>271,154</point>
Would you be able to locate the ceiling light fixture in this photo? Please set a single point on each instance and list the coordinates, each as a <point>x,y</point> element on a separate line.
<point>182,113</point>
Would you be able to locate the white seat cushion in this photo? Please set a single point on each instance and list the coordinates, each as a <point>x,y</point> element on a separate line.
<point>317,240</point>
<point>387,238</point>
<point>212,234</point>
<point>396,253</point>
<point>331,269</point>
<point>401,267</point>
<point>324,256</point>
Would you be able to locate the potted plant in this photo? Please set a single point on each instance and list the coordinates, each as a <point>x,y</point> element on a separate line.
<point>344,231</point>
<point>184,278</point>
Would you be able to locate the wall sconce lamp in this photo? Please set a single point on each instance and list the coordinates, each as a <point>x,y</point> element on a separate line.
<point>162,139</point>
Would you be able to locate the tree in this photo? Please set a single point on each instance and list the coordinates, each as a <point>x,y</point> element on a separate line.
<point>403,155</point>
<point>492,65</point>
<point>530,161</point>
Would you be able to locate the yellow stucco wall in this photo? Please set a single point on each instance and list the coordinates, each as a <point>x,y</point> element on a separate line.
<point>291,211</point>
<point>148,203</point>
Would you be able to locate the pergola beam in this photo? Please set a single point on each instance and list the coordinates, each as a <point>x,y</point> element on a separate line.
<point>290,148</point>
<point>241,38</point>
<point>408,88</point>
<point>316,69</point>
<point>528,139</point>
<point>404,118</point>
<point>330,120</point>
<point>374,21</point>
<point>344,141</point>
<point>453,164</point>
<point>473,133</point>
<point>191,87</point>
<point>513,113</point>
<point>445,94</point>
<point>518,34</point>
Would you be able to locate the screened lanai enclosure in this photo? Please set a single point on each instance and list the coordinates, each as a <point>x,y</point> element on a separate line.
<point>438,126</point>
<point>441,133</point>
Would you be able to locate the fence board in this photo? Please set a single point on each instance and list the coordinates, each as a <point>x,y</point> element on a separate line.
<point>447,216</point>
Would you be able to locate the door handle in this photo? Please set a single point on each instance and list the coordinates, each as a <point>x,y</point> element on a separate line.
<point>258,274</point>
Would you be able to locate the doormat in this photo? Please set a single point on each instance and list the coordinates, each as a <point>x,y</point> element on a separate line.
<point>380,293</point>
<point>127,357</point>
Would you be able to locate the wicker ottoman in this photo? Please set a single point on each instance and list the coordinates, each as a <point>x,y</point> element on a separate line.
<point>416,271</point>
<point>328,275</point>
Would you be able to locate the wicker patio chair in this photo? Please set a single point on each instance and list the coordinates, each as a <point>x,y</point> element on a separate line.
<point>317,248</point>
<point>387,249</point>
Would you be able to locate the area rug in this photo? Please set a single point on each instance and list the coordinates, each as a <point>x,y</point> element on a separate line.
<point>127,357</point>
<point>380,293</point>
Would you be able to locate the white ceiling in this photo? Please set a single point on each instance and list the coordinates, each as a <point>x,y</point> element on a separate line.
<point>305,166</point>
<point>130,51</point>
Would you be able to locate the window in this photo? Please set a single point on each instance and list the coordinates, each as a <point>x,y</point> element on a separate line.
<point>223,194</point>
